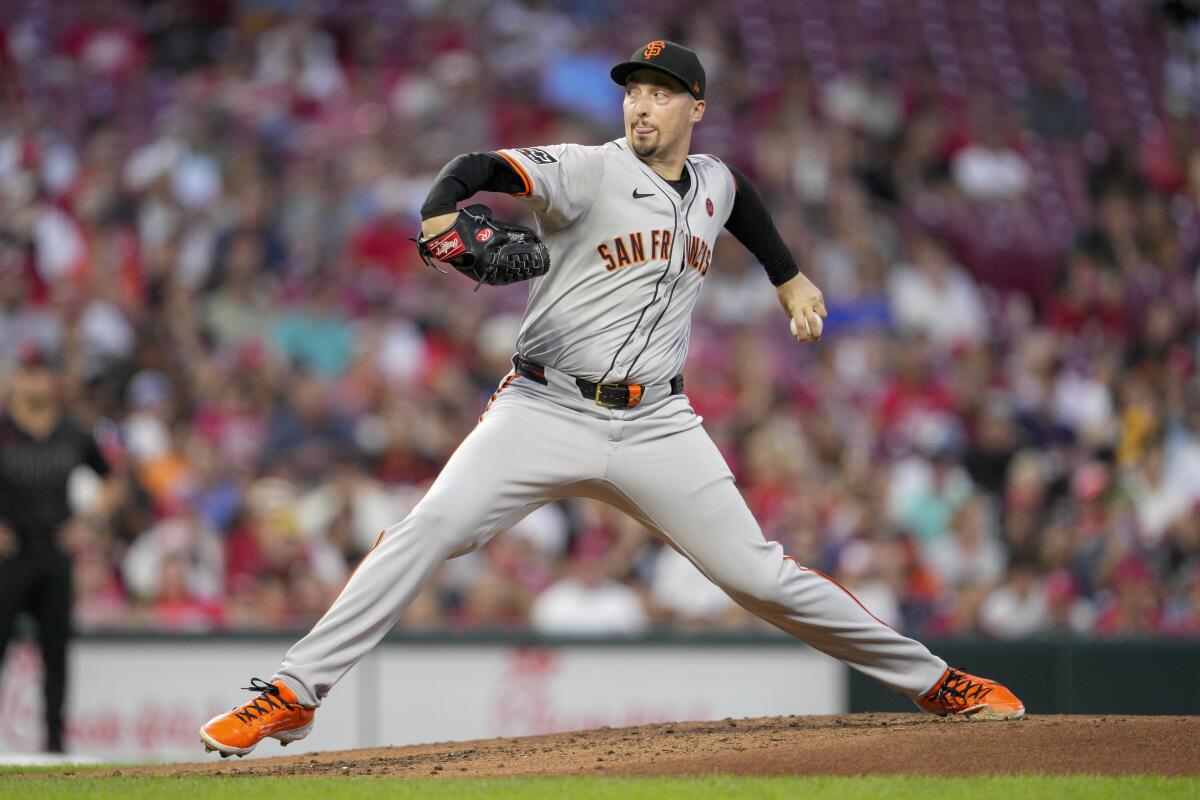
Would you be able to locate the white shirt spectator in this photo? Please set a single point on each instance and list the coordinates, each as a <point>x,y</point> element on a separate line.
<point>58,243</point>
<point>945,305</point>
<point>1183,462</point>
<point>852,101</point>
<point>546,530</point>
<point>990,172</point>
<point>1084,404</point>
<point>1160,498</point>
<point>106,334</point>
<point>190,539</point>
<point>680,588</point>
<point>574,607</point>
<point>1015,609</point>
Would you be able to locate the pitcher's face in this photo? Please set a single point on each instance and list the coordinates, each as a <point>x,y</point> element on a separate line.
<point>659,113</point>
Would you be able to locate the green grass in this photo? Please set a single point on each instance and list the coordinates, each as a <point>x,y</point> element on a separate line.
<point>10,771</point>
<point>585,788</point>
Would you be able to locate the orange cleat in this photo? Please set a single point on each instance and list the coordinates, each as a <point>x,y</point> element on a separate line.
<point>273,713</point>
<point>961,695</point>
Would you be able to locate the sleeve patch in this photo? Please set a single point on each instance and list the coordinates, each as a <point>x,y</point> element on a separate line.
<point>537,155</point>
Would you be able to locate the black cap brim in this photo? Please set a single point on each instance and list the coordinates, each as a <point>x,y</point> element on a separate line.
<point>621,72</point>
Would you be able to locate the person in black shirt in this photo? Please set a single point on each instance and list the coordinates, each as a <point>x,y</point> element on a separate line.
<point>39,448</point>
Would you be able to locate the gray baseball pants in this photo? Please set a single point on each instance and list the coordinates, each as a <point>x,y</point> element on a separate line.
<point>536,444</point>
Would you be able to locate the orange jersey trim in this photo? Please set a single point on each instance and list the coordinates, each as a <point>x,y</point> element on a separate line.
<point>517,168</point>
<point>512,377</point>
<point>850,594</point>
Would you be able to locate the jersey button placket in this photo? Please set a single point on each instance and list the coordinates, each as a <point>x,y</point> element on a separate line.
<point>616,427</point>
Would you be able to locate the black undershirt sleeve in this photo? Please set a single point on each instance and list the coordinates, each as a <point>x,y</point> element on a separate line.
<point>751,225</point>
<point>464,176</point>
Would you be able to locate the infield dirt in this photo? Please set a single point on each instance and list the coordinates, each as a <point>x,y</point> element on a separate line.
<point>855,744</point>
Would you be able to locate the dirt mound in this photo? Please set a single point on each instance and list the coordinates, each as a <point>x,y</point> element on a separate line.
<point>829,745</point>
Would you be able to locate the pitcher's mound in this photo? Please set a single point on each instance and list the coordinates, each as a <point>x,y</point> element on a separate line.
<point>830,745</point>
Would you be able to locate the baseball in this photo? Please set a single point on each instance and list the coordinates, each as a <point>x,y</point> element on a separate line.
<point>816,333</point>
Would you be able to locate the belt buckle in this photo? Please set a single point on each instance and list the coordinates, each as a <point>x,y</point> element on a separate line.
<point>600,402</point>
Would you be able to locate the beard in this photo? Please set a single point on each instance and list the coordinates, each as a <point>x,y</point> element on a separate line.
<point>645,146</point>
<point>645,150</point>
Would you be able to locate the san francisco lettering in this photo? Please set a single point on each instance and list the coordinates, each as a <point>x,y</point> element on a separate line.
<point>642,247</point>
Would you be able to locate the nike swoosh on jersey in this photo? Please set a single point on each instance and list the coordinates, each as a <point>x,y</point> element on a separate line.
<point>637,196</point>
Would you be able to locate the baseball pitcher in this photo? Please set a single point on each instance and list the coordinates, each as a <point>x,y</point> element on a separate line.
<point>595,406</point>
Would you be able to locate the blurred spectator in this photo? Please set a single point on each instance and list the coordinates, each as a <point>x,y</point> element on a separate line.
<point>178,566</point>
<point>23,321</point>
<point>307,432</point>
<point>1018,607</point>
<point>586,601</point>
<point>927,490</point>
<point>995,443</point>
<point>973,554</point>
<point>865,100</point>
<point>990,168</point>
<point>1131,608</point>
<point>862,573</point>
<point>106,41</point>
<point>1066,611</point>
<point>1055,106</point>
<point>932,297</point>
<point>684,594</point>
<point>100,598</point>
<point>990,171</point>
<point>315,336</point>
<point>1160,498</point>
<point>1181,617</point>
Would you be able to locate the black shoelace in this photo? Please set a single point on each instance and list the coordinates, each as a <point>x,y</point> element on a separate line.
<point>268,699</point>
<point>958,686</point>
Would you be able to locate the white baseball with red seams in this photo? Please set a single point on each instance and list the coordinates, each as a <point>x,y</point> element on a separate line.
<point>812,334</point>
<point>628,259</point>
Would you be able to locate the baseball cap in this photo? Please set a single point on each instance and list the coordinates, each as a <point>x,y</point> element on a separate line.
<point>35,355</point>
<point>669,58</point>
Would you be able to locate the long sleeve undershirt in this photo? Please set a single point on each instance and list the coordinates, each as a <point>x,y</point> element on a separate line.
<point>749,221</point>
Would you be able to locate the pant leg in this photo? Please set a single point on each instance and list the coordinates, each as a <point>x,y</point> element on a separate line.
<point>51,606</point>
<point>523,453</point>
<point>679,485</point>
<point>14,586</point>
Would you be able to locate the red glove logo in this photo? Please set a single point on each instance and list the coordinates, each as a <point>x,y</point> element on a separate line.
<point>448,245</point>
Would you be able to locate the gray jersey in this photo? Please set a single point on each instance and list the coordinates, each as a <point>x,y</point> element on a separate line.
<point>628,256</point>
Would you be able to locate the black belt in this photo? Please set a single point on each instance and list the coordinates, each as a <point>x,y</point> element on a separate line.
<point>609,395</point>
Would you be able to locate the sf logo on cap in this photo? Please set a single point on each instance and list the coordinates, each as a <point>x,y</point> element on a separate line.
<point>654,48</point>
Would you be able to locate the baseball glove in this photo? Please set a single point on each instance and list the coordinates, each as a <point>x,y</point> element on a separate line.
<point>487,250</point>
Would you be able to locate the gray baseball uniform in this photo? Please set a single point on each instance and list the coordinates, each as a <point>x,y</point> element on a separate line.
<point>628,258</point>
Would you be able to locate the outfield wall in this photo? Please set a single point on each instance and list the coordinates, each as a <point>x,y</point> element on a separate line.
<point>141,696</point>
<point>1068,676</point>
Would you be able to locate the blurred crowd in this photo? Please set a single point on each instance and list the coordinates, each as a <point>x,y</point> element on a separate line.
<point>205,208</point>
